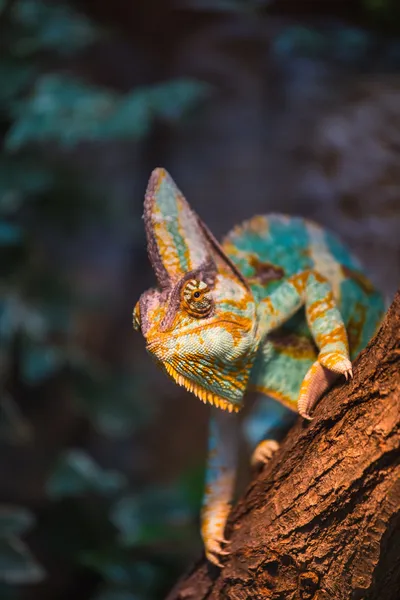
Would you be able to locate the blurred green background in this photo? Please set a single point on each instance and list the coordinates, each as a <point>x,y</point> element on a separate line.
<point>254,106</point>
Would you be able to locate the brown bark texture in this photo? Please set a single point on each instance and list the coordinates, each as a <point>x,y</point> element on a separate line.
<point>322,520</point>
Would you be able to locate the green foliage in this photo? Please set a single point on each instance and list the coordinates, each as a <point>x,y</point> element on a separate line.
<point>155,514</point>
<point>106,398</point>
<point>91,511</point>
<point>70,112</point>
<point>17,565</point>
<point>347,43</point>
<point>77,473</point>
<point>43,26</point>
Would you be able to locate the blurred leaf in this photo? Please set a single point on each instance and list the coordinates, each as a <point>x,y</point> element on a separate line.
<point>350,43</point>
<point>125,573</point>
<point>18,317</point>
<point>126,516</point>
<point>121,570</point>
<point>112,401</point>
<point>20,177</point>
<point>191,486</point>
<point>77,473</point>
<point>14,427</point>
<point>48,26</point>
<point>10,234</point>
<point>301,40</point>
<point>157,513</point>
<point>14,520</point>
<point>14,79</point>
<point>17,565</point>
<point>40,361</point>
<point>172,99</point>
<point>69,112</point>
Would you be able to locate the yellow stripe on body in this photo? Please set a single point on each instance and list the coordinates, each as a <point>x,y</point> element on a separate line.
<point>324,262</point>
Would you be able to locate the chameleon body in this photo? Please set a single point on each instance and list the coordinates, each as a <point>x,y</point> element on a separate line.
<point>280,307</point>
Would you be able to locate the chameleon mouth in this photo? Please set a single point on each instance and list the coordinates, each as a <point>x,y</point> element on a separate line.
<point>204,395</point>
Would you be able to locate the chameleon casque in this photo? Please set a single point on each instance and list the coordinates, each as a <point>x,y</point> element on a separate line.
<point>281,307</point>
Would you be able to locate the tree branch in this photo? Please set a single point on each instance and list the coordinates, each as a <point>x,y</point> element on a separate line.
<point>322,521</point>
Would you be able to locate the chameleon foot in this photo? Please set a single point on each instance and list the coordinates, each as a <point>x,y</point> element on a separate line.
<point>319,379</point>
<point>214,551</point>
<point>263,453</point>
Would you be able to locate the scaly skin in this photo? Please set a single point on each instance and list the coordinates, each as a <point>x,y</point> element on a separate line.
<point>228,318</point>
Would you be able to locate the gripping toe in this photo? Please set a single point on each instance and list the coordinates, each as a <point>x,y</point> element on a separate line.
<point>263,453</point>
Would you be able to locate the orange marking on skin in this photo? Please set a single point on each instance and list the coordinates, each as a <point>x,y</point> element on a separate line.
<point>332,359</point>
<point>299,281</point>
<point>356,324</point>
<point>258,224</point>
<point>166,248</point>
<point>293,345</point>
<point>319,307</point>
<point>264,271</point>
<point>336,335</point>
<point>236,326</point>
<point>272,311</point>
<point>161,175</point>
<point>318,277</point>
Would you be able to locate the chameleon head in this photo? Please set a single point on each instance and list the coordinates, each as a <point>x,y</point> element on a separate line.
<point>200,323</point>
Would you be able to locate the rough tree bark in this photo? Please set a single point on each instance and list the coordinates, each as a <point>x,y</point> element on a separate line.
<point>322,521</point>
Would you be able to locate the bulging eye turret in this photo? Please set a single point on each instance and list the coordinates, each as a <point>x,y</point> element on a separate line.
<point>196,298</point>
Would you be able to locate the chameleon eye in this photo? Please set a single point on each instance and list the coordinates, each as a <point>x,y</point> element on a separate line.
<point>197,299</point>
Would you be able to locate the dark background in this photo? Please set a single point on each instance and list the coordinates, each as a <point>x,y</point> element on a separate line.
<point>253,106</point>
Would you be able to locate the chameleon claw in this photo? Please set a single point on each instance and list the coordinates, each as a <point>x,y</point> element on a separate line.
<point>214,560</point>
<point>213,557</point>
<point>222,540</point>
<point>306,416</point>
<point>348,373</point>
<point>263,453</point>
<point>214,551</point>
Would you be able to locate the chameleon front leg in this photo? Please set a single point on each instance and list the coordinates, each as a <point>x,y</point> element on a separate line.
<point>220,482</point>
<point>314,291</point>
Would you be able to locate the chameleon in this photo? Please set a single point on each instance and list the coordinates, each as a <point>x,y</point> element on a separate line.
<point>280,307</point>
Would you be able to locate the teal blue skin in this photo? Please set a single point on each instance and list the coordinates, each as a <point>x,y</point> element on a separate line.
<point>262,255</point>
<point>284,243</point>
<point>267,252</point>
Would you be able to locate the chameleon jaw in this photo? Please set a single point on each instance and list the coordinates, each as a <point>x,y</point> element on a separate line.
<point>204,395</point>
